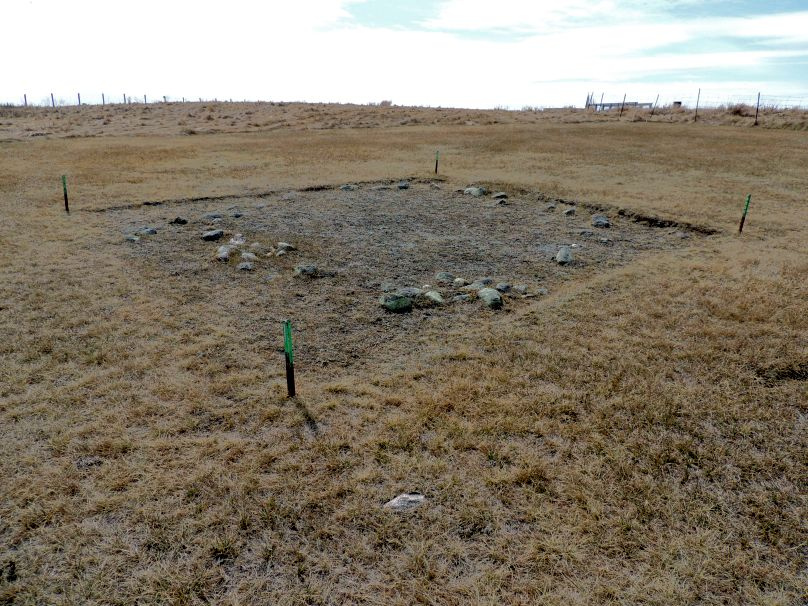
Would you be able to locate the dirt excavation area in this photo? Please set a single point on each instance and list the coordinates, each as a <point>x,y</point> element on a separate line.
<point>364,269</point>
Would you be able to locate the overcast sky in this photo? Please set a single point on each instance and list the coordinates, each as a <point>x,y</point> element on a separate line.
<point>466,53</point>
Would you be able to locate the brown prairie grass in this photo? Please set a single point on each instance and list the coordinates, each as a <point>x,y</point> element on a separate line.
<point>18,123</point>
<point>638,437</point>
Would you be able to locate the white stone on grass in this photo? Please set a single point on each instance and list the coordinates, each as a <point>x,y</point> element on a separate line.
<point>405,501</point>
<point>564,255</point>
<point>223,252</point>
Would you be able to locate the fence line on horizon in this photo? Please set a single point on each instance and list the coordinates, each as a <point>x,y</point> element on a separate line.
<point>701,100</point>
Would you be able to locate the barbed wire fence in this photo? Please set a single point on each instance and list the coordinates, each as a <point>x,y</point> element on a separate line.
<point>703,99</point>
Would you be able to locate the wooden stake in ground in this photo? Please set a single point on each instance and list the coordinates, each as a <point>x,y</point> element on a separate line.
<point>622,105</point>
<point>289,353</point>
<point>698,98</point>
<point>53,103</point>
<point>745,210</point>
<point>437,157</point>
<point>64,189</point>
<point>25,100</point>
<point>757,110</point>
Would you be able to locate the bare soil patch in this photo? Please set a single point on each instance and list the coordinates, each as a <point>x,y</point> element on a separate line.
<point>376,239</point>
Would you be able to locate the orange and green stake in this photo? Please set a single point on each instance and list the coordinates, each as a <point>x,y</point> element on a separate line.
<point>745,211</point>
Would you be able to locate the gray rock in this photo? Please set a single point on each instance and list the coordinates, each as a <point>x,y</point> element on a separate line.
<point>223,252</point>
<point>550,207</point>
<point>178,221</point>
<point>237,215</point>
<point>211,216</point>
<point>280,253</point>
<point>503,287</point>
<point>564,255</point>
<point>434,296</point>
<point>500,195</point>
<point>395,303</point>
<point>147,231</point>
<point>248,256</point>
<point>586,233</point>
<point>491,297</point>
<point>212,235</point>
<point>387,287</point>
<point>133,238</point>
<point>600,221</point>
<point>349,187</point>
<point>604,240</point>
<point>410,291</point>
<point>479,284</point>
<point>461,298</point>
<point>444,277</point>
<point>434,186</point>
<point>542,291</point>
<point>86,462</point>
<point>403,184</point>
<point>459,282</point>
<point>285,247</point>
<point>682,234</point>
<point>570,212</point>
<point>475,191</point>
<point>520,289</point>
<point>405,501</point>
<point>308,271</point>
<point>245,266</point>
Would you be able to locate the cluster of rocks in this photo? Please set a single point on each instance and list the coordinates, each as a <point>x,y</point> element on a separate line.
<point>399,300</point>
<point>248,254</point>
<point>477,191</point>
<point>143,231</point>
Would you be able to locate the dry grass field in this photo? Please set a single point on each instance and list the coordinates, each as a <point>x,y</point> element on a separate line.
<point>636,436</point>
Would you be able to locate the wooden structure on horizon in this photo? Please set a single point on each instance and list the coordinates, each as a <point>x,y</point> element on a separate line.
<point>601,106</point>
